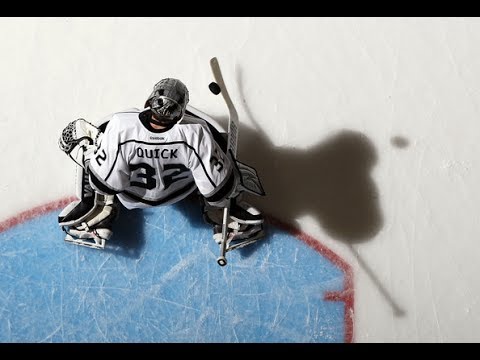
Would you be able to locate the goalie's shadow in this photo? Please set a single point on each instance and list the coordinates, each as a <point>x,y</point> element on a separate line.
<point>330,182</point>
<point>128,236</point>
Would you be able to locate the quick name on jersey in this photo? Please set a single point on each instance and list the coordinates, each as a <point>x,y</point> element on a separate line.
<point>156,153</point>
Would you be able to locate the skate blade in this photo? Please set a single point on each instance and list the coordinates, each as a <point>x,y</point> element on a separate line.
<point>91,243</point>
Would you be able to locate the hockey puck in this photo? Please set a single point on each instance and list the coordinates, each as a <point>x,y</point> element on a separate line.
<point>214,88</point>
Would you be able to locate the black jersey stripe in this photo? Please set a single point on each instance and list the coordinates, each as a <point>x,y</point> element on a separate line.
<point>188,112</point>
<point>218,137</point>
<point>101,185</point>
<point>187,189</point>
<point>103,126</point>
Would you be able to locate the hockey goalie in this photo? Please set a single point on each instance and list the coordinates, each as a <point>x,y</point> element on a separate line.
<point>156,156</point>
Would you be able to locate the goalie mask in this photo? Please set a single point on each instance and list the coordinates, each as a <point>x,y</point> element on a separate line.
<point>168,101</point>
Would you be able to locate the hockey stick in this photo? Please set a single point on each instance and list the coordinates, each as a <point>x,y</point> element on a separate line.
<point>231,146</point>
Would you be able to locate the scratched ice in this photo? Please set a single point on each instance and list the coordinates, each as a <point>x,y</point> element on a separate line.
<point>158,281</point>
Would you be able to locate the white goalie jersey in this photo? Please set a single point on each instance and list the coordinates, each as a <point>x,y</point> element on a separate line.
<point>148,167</point>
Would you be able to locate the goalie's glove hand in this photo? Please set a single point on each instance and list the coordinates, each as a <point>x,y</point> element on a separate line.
<point>78,133</point>
<point>79,140</point>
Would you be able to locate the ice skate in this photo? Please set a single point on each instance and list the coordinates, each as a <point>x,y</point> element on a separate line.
<point>239,235</point>
<point>95,238</point>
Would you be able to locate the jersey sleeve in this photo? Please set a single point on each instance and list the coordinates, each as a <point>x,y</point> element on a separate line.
<point>212,169</point>
<point>108,167</point>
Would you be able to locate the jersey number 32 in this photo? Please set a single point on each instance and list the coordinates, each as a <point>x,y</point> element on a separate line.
<point>144,175</point>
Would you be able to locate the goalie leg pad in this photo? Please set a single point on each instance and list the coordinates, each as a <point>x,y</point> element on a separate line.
<point>93,227</point>
<point>245,225</point>
<point>241,212</point>
<point>244,213</point>
<point>76,212</point>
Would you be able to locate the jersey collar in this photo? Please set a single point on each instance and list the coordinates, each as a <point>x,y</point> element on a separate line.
<point>145,116</point>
